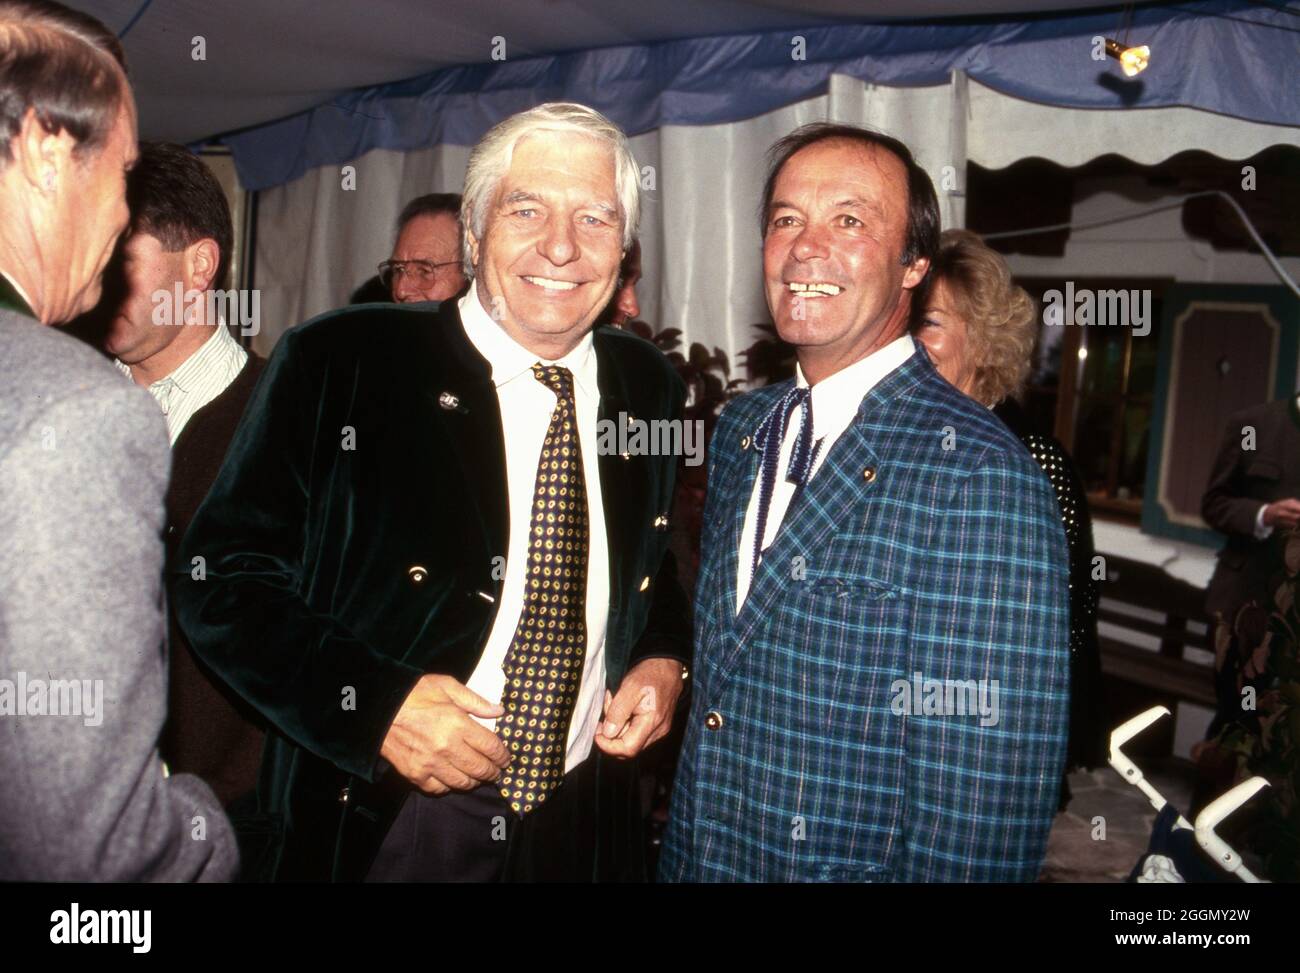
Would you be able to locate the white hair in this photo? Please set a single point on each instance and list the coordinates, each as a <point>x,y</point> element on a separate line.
<point>490,160</point>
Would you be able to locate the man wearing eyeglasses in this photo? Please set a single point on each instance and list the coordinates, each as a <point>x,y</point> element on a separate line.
<point>426,264</point>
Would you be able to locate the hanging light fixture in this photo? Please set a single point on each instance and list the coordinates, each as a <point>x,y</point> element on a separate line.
<point>1132,60</point>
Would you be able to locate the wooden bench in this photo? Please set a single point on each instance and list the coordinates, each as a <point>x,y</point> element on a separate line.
<point>1164,676</point>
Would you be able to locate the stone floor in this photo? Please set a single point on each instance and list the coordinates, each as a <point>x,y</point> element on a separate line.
<point>1073,855</point>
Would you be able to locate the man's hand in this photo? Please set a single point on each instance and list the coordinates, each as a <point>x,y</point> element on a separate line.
<point>1283,513</point>
<point>435,744</point>
<point>642,711</point>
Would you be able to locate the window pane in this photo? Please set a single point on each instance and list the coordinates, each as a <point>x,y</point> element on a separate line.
<point>1142,366</point>
<point>1133,455</point>
<point>1103,368</point>
<point>1092,440</point>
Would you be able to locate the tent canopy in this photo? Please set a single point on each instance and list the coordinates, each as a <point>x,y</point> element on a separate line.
<point>311,83</point>
<point>269,60</point>
<point>402,88</point>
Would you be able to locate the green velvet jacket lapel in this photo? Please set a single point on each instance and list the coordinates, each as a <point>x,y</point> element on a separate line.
<point>625,485</point>
<point>11,300</point>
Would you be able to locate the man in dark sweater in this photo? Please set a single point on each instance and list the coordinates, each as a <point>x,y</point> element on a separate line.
<point>166,330</point>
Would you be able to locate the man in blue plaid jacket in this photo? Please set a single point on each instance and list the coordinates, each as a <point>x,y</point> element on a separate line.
<point>881,679</point>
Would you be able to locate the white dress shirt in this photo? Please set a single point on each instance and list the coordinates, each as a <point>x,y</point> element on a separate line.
<point>526,407</point>
<point>1263,531</point>
<point>835,402</point>
<point>197,380</point>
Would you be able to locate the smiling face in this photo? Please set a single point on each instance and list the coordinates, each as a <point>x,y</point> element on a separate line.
<point>835,235</point>
<point>548,261</point>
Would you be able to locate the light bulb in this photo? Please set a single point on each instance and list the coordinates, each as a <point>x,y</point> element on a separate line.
<point>1132,60</point>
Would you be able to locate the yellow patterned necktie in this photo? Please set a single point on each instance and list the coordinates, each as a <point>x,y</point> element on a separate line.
<point>544,665</point>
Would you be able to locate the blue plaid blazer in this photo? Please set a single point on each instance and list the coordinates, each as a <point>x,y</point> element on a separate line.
<point>804,760</point>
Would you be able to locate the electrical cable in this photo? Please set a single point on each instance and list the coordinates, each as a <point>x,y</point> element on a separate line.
<point>1173,204</point>
<point>131,23</point>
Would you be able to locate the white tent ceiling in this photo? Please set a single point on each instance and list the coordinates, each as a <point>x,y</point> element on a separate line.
<point>266,60</point>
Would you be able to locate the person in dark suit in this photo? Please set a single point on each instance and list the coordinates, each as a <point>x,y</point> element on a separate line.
<point>84,795</point>
<point>430,566</point>
<point>1254,498</point>
<point>183,353</point>
<point>882,671</point>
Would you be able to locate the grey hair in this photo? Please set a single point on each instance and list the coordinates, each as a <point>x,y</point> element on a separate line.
<point>490,160</point>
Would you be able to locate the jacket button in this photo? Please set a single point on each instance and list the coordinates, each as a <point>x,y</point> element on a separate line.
<point>645,582</point>
<point>713,720</point>
<point>417,573</point>
<point>744,442</point>
<point>343,796</point>
<point>869,474</point>
<point>661,523</point>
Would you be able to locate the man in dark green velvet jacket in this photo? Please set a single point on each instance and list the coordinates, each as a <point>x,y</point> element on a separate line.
<point>377,564</point>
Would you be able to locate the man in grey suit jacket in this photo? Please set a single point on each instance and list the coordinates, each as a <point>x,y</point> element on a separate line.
<point>83,468</point>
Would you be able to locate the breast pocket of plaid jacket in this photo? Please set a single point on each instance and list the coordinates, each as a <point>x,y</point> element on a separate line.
<point>849,742</point>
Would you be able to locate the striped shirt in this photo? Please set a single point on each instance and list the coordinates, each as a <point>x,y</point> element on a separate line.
<point>199,379</point>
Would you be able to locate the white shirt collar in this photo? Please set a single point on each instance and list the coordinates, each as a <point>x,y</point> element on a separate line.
<point>509,359</point>
<point>836,399</point>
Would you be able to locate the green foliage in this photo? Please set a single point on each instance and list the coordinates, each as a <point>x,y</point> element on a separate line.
<point>709,387</point>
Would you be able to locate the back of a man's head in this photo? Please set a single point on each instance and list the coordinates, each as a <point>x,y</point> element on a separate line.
<point>63,65</point>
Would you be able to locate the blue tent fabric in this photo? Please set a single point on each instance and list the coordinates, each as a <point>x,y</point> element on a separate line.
<point>1226,56</point>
